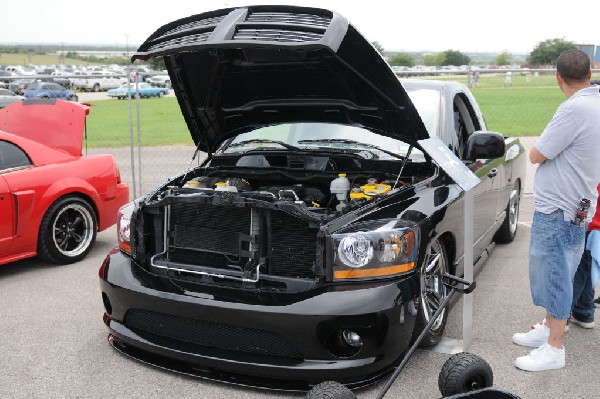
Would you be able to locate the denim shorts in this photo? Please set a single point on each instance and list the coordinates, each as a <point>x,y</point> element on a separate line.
<point>554,254</point>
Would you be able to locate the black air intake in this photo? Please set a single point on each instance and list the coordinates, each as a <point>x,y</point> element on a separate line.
<point>210,334</point>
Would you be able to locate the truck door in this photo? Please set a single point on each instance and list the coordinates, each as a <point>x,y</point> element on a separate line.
<point>486,192</point>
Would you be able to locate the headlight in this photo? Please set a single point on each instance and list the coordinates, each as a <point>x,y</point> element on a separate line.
<point>124,227</point>
<point>374,254</point>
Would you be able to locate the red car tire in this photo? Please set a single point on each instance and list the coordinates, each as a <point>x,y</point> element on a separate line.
<point>68,231</point>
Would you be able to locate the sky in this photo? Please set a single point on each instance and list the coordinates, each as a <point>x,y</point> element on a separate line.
<point>516,26</point>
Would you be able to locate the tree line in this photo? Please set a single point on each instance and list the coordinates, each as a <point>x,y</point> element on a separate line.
<point>545,53</point>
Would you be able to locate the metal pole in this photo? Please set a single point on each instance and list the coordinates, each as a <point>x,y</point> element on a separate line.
<point>469,211</point>
<point>137,101</point>
<point>131,131</point>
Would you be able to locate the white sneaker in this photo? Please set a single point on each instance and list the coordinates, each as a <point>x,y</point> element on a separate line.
<point>546,357</point>
<point>584,324</point>
<point>536,337</point>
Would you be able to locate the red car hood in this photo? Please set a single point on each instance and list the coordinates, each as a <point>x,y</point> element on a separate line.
<point>55,123</point>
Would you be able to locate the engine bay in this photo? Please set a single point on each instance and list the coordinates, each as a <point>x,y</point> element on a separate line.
<point>314,185</point>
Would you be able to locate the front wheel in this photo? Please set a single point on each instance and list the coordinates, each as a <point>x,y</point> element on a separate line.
<point>330,390</point>
<point>507,232</point>
<point>433,293</point>
<point>74,99</point>
<point>161,94</point>
<point>464,372</point>
<point>68,231</point>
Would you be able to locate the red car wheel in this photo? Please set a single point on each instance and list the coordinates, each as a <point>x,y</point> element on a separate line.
<point>68,231</point>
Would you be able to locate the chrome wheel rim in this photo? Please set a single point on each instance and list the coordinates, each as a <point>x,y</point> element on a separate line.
<point>433,290</point>
<point>72,230</point>
<point>513,210</point>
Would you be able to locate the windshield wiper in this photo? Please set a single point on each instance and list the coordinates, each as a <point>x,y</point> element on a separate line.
<point>264,141</point>
<point>348,141</point>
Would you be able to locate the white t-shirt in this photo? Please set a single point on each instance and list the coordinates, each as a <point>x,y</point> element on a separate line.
<point>571,142</point>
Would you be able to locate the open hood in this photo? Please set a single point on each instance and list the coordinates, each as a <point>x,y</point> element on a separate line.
<point>237,69</point>
<point>55,123</point>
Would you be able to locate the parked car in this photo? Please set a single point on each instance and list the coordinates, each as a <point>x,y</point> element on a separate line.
<point>145,90</point>
<point>8,97</point>
<point>97,81</point>
<point>53,199</point>
<point>49,90</point>
<point>18,86</point>
<point>5,75</point>
<point>311,243</point>
<point>160,81</point>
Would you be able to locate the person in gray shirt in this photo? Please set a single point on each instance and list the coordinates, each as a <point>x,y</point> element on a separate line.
<point>568,158</point>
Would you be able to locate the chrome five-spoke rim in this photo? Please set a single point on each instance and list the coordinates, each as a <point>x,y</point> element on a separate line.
<point>513,209</point>
<point>433,291</point>
<point>72,230</point>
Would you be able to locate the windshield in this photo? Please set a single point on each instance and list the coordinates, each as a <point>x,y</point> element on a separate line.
<point>428,104</point>
<point>336,137</point>
<point>325,136</point>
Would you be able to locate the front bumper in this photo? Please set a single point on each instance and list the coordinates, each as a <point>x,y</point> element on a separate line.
<point>267,340</point>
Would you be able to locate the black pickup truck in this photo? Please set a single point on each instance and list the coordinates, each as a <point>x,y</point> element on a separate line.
<point>311,243</point>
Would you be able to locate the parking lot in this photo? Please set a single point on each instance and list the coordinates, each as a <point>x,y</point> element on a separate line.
<point>53,342</point>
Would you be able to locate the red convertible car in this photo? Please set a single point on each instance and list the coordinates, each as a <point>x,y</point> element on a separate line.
<point>53,199</point>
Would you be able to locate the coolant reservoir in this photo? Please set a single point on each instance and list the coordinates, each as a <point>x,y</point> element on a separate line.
<point>340,186</point>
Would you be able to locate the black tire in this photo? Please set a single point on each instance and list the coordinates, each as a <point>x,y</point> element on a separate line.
<point>464,372</point>
<point>432,294</point>
<point>74,98</point>
<point>330,390</point>
<point>96,88</point>
<point>507,232</point>
<point>161,94</point>
<point>68,231</point>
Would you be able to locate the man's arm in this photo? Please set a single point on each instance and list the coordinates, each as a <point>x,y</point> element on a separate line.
<point>535,156</point>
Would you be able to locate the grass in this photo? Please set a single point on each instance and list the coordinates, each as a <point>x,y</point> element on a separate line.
<point>161,123</point>
<point>521,110</point>
<point>38,59</point>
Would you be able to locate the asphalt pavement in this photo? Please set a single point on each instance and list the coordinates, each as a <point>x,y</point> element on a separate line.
<point>53,342</point>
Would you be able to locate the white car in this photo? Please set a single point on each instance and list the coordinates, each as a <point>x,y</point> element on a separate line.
<point>160,81</point>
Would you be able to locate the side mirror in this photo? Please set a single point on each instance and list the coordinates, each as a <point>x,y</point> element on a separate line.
<point>484,145</point>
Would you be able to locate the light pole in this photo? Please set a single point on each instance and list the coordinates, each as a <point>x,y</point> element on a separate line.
<point>130,116</point>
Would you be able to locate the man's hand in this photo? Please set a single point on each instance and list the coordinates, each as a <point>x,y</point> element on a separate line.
<point>535,156</point>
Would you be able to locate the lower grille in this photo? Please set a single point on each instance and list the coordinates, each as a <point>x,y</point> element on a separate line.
<point>210,334</point>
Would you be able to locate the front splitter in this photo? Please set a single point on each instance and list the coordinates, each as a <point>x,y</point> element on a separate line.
<point>211,374</point>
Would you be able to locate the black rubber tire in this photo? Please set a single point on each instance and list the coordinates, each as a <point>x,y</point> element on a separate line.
<point>433,281</point>
<point>96,88</point>
<point>68,231</point>
<point>74,98</point>
<point>330,390</point>
<point>161,94</point>
<point>507,232</point>
<point>464,372</point>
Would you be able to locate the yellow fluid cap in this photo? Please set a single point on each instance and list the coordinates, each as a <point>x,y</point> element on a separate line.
<point>342,175</point>
<point>221,184</point>
<point>359,194</point>
<point>376,189</point>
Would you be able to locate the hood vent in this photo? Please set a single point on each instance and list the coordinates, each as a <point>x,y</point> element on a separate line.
<point>289,18</point>
<point>214,21</point>
<point>277,35</point>
<point>181,41</point>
